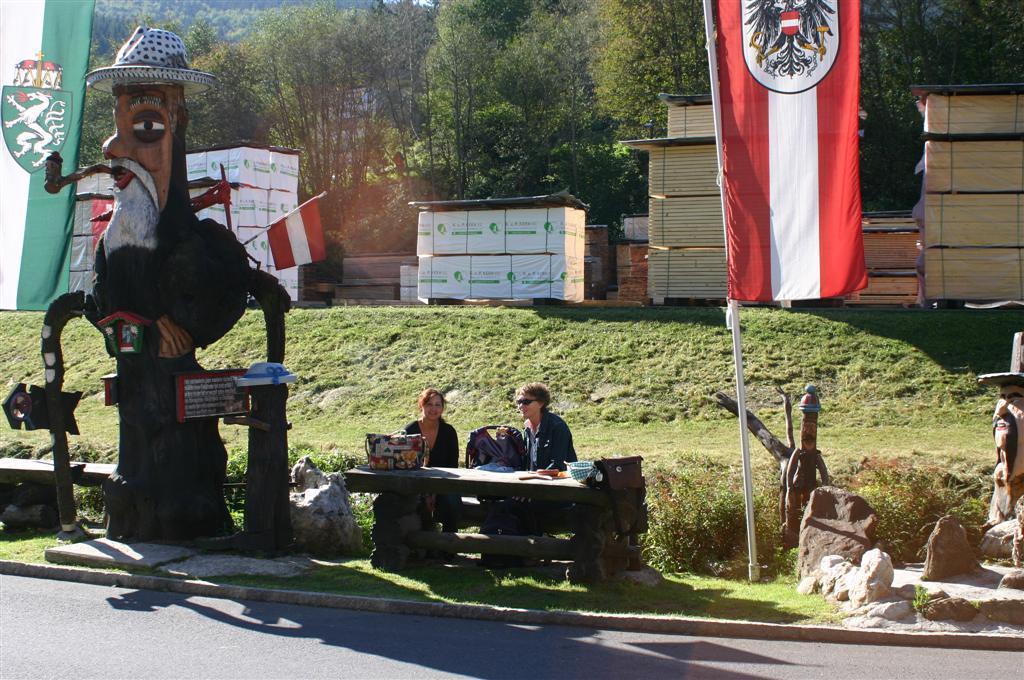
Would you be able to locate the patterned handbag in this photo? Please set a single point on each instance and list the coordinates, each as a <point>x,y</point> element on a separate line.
<point>396,451</point>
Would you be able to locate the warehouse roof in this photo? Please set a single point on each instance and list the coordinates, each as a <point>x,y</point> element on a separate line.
<point>563,199</point>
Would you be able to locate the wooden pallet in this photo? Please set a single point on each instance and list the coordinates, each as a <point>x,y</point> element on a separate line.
<point>688,221</point>
<point>887,249</point>
<point>896,287</point>
<point>974,114</point>
<point>687,273</point>
<point>683,171</point>
<point>691,121</point>
<point>974,220</point>
<point>974,166</point>
<point>974,274</point>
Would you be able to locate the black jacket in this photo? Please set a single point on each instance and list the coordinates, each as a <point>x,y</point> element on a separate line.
<point>445,452</point>
<point>554,443</point>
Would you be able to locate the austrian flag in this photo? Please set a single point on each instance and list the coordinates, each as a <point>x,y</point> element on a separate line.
<point>788,96</point>
<point>297,238</point>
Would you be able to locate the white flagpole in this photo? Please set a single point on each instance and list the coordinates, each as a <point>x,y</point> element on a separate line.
<point>732,313</point>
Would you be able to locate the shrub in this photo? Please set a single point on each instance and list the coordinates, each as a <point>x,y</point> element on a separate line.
<point>910,498</point>
<point>698,520</point>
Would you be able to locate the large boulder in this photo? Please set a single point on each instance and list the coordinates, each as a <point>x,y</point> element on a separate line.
<point>873,581</point>
<point>836,522</point>
<point>322,518</point>
<point>998,541</point>
<point>949,553</point>
<point>17,517</point>
<point>1013,580</point>
<point>949,609</point>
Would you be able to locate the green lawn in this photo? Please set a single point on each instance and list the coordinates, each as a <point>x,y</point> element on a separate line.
<point>893,383</point>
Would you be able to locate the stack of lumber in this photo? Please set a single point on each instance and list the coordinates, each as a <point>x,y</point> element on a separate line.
<point>974,183</point>
<point>687,240</point>
<point>597,262</point>
<point>890,255</point>
<point>375,276</point>
<point>632,271</point>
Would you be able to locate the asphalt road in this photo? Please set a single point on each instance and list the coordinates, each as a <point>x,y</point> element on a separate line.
<point>55,629</point>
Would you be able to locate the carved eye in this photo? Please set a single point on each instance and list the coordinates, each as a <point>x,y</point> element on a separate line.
<point>148,128</point>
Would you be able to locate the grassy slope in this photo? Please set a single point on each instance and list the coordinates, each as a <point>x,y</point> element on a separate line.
<point>631,379</point>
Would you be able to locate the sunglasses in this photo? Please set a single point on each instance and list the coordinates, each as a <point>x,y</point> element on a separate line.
<point>524,402</point>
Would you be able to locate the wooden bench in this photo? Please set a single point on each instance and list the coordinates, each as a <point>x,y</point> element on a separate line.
<point>595,550</point>
<point>16,470</point>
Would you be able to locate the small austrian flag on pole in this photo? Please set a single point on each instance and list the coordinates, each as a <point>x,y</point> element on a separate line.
<point>297,238</point>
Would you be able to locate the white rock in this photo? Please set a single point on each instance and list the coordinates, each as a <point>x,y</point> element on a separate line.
<point>830,561</point>
<point>873,580</point>
<point>842,588</point>
<point>998,541</point>
<point>828,581</point>
<point>322,518</point>
<point>808,584</point>
<point>893,611</point>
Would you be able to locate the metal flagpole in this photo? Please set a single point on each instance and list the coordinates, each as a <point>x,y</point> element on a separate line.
<point>732,313</point>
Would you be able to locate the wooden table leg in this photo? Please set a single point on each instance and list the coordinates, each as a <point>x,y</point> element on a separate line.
<point>394,516</point>
<point>588,541</point>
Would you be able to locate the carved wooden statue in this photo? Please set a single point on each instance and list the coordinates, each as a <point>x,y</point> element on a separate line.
<point>802,470</point>
<point>1008,433</point>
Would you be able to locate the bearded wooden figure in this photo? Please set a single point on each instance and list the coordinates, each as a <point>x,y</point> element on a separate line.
<point>1008,433</point>
<point>186,279</point>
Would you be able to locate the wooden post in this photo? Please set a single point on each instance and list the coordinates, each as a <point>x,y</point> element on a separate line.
<point>268,524</point>
<point>394,516</point>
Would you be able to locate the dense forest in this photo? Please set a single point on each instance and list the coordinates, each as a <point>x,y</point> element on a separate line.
<point>396,100</point>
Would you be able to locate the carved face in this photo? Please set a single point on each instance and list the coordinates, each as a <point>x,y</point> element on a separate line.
<point>145,117</point>
<point>809,432</point>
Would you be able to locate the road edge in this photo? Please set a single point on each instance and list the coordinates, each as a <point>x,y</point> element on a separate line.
<point>626,622</point>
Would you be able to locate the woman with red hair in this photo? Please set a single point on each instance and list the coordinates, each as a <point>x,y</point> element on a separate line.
<point>442,449</point>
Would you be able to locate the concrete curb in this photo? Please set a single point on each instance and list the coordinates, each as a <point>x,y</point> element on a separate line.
<point>627,622</point>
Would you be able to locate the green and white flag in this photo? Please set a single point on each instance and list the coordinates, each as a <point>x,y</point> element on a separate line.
<point>44,54</point>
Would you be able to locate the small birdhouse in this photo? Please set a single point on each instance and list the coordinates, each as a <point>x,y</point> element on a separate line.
<point>124,332</point>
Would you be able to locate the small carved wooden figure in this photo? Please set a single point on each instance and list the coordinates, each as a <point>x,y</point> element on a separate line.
<point>804,467</point>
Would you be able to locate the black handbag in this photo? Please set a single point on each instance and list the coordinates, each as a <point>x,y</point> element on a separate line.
<point>623,474</point>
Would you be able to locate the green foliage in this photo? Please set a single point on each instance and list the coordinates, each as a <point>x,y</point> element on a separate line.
<point>698,520</point>
<point>922,597</point>
<point>909,499</point>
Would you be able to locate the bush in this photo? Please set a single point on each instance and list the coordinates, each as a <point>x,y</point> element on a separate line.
<point>909,499</point>
<point>698,520</point>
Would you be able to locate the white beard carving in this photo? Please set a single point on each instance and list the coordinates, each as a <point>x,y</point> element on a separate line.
<point>135,216</point>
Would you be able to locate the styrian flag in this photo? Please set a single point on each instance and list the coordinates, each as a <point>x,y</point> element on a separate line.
<point>44,54</point>
<point>297,238</point>
<point>789,84</point>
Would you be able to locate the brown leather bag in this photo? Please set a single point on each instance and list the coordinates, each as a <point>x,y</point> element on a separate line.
<point>621,473</point>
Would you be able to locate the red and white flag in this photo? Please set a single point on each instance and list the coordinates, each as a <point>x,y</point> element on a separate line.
<point>788,95</point>
<point>297,238</point>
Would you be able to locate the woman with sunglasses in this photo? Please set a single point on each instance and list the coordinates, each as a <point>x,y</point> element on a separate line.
<point>548,439</point>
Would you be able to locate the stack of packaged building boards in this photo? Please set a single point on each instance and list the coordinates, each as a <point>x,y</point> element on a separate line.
<point>93,198</point>
<point>264,188</point>
<point>687,242</point>
<point>973,187</point>
<point>504,249</point>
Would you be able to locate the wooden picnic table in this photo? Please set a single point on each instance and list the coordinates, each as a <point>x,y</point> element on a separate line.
<point>16,470</point>
<point>595,549</point>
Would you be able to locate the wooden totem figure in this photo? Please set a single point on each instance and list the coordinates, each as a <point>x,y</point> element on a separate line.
<point>802,471</point>
<point>1007,430</point>
<point>164,284</point>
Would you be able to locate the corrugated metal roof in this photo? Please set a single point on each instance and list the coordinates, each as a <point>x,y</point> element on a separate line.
<point>986,88</point>
<point>562,199</point>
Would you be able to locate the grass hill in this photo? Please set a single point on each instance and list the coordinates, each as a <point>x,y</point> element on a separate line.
<point>892,383</point>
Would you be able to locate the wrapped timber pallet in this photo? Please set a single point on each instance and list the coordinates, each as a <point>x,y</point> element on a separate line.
<point>686,222</point>
<point>974,183</point>
<point>519,248</point>
<point>632,271</point>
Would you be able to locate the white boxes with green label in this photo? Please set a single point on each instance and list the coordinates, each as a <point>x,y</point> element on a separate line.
<point>505,249</point>
<point>501,277</point>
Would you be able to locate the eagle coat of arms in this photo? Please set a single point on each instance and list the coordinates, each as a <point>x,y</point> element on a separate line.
<point>35,113</point>
<point>790,45</point>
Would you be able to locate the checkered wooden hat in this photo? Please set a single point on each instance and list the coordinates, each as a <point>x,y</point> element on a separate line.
<point>151,57</point>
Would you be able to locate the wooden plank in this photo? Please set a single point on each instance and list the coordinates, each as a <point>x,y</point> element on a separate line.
<point>537,547</point>
<point>16,470</point>
<point>890,250</point>
<point>470,483</point>
<point>972,166</point>
<point>691,121</point>
<point>974,220</point>
<point>974,114</point>
<point>974,274</point>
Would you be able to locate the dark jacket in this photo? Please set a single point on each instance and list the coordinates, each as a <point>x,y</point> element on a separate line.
<point>554,443</point>
<point>445,452</point>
